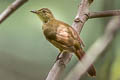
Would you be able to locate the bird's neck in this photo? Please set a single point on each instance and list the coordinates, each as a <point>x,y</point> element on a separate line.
<point>47,20</point>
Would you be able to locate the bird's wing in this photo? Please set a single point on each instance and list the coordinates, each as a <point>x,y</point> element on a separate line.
<point>59,36</point>
<point>66,36</point>
<point>76,35</point>
<point>63,36</point>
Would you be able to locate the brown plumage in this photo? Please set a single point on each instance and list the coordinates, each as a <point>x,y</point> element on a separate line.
<point>62,35</point>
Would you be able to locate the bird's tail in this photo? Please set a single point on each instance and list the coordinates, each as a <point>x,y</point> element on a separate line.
<point>91,71</point>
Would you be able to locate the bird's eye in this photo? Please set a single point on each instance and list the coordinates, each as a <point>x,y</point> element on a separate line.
<point>43,11</point>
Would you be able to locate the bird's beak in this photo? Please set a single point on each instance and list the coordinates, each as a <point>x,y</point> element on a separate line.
<point>34,11</point>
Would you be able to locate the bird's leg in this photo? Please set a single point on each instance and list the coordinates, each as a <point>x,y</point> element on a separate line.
<point>58,56</point>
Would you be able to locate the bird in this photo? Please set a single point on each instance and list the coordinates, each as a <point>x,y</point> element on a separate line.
<point>62,35</point>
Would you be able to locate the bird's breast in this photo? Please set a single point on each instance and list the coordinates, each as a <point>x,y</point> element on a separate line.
<point>51,35</point>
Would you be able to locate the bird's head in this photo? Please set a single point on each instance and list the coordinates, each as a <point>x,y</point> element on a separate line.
<point>45,14</point>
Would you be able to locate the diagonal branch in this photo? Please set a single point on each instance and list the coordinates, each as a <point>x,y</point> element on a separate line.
<point>78,23</point>
<point>82,15</point>
<point>11,8</point>
<point>95,50</point>
<point>104,14</point>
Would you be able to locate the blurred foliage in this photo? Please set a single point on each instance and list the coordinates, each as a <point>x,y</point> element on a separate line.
<point>24,52</point>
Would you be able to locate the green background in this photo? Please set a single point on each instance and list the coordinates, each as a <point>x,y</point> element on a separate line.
<point>25,54</point>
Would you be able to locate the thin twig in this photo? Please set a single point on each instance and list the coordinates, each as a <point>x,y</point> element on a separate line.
<point>104,14</point>
<point>11,8</point>
<point>95,50</point>
<point>78,23</point>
